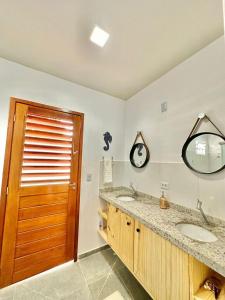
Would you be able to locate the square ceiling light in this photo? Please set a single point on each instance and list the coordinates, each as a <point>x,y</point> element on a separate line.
<point>99,36</point>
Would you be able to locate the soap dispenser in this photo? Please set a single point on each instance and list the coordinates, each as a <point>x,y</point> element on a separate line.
<point>163,202</point>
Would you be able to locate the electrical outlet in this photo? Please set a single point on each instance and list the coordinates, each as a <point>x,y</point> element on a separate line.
<point>163,107</point>
<point>164,185</point>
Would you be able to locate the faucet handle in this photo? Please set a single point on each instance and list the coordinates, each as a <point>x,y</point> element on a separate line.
<point>131,185</point>
<point>199,204</point>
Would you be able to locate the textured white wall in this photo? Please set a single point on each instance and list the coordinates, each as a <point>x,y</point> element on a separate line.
<point>102,113</point>
<point>196,85</point>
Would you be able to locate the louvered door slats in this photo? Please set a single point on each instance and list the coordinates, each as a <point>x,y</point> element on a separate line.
<point>46,142</point>
<point>47,151</point>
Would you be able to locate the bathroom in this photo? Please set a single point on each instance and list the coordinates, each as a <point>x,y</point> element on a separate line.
<point>161,70</point>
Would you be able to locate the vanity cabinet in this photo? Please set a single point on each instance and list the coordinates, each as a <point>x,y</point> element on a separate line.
<point>121,235</point>
<point>161,267</point>
<point>164,270</point>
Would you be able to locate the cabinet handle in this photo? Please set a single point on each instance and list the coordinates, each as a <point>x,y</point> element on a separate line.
<point>128,223</point>
<point>138,230</point>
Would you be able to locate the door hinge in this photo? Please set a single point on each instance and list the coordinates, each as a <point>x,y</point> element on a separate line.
<point>14,118</point>
<point>7,190</point>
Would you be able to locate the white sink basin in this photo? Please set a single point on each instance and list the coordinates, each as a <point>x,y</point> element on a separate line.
<point>196,232</point>
<point>126,198</point>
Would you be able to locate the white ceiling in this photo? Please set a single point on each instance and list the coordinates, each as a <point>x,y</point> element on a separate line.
<point>147,38</point>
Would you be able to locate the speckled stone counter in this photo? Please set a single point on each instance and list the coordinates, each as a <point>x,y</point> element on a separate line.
<point>146,209</point>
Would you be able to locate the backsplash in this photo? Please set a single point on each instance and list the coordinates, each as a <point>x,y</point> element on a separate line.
<point>185,186</point>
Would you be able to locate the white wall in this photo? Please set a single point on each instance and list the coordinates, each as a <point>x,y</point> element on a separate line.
<point>196,85</point>
<point>102,113</point>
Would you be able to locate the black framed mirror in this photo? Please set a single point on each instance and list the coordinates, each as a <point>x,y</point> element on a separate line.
<point>139,155</point>
<point>204,152</point>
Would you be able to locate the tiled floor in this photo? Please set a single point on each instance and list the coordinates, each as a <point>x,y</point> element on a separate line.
<point>96,277</point>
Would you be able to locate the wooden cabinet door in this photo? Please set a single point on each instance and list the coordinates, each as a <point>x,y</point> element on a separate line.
<point>161,267</point>
<point>114,226</point>
<point>126,251</point>
<point>41,217</point>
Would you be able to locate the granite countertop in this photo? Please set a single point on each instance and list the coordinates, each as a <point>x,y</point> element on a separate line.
<point>162,221</point>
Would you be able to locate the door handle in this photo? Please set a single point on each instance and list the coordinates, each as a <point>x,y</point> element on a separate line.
<point>72,185</point>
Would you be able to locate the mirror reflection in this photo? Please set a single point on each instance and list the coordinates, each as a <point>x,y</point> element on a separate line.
<point>205,153</point>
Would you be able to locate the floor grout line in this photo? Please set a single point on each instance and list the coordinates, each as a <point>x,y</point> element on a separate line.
<point>127,288</point>
<point>104,284</point>
<point>84,278</point>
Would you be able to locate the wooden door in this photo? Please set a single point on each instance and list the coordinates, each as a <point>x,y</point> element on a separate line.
<point>114,226</point>
<point>126,251</point>
<point>161,267</point>
<point>41,215</point>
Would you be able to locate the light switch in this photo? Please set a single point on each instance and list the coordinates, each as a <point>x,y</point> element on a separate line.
<point>89,178</point>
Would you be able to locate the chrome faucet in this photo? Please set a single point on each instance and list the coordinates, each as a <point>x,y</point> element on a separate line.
<point>133,189</point>
<point>199,207</point>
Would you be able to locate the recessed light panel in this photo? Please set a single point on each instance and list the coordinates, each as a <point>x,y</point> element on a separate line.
<point>99,36</point>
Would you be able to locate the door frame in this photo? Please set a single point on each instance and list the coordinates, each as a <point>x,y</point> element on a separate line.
<point>7,161</point>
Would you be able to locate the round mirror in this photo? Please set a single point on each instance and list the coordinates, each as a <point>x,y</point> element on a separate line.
<point>205,153</point>
<point>139,155</point>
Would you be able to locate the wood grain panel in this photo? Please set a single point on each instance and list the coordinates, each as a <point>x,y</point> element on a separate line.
<point>48,199</point>
<point>40,211</point>
<point>143,256</point>
<point>37,246</point>
<point>126,250</point>
<point>180,287</point>
<point>114,227</point>
<point>43,233</point>
<point>161,267</point>
<point>37,258</point>
<point>10,224</point>
<point>43,190</point>
<point>37,223</point>
<point>41,267</point>
<point>6,169</point>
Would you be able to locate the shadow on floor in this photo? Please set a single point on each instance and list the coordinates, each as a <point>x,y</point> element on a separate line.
<point>100,276</point>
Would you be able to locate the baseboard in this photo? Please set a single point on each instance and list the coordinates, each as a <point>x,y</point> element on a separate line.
<point>83,255</point>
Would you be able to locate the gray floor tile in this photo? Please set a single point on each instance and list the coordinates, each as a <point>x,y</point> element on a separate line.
<point>62,282</point>
<point>134,287</point>
<point>97,265</point>
<point>97,286</point>
<point>92,278</point>
<point>21,293</point>
<point>83,294</point>
<point>112,285</point>
<point>7,293</point>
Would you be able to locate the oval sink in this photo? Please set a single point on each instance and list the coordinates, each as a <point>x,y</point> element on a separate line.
<point>126,198</point>
<point>196,232</point>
